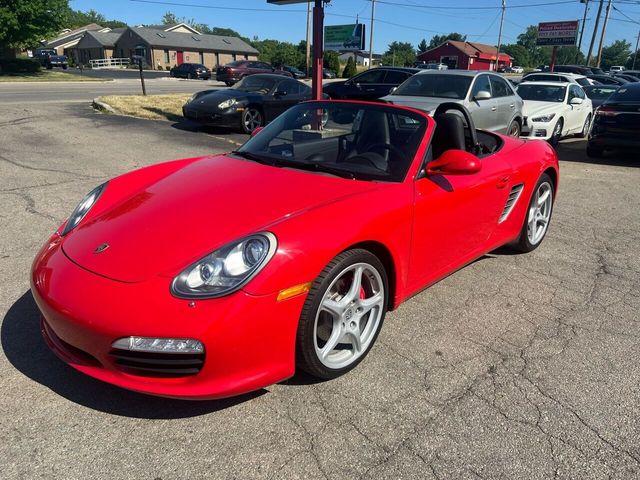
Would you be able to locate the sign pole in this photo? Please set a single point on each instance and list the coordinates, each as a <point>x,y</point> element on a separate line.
<point>554,52</point>
<point>308,36</point>
<point>373,13</point>
<point>318,46</point>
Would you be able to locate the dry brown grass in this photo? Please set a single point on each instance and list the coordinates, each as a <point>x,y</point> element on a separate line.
<point>151,107</point>
<point>49,76</point>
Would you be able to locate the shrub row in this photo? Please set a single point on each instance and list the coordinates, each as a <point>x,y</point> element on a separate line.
<point>19,65</point>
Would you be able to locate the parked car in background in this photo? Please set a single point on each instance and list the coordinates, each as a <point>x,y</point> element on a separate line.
<point>190,71</point>
<point>608,79</point>
<point>293,71</point>
<point>617,122</point>
<point>599,93</point>
<point>235,71</point>
<point>490,98</point>
<point>432,66</point>
<point>559,77</point>
<point>635,73</point>
<point>252,102</point>
<point>597,71</point>
<point>575,69</point>
<point>517,69</point>
<point>369,85</point>
<point>617,69</point>
<point>629,78</point>
<point>554,110</point>
<point>326,73</point>
<point>56,61</point>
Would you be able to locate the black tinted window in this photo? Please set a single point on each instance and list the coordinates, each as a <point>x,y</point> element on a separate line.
<point>395,78</point>
<point>290,88</point>
<point>481,84</point>
<point>625,94</point>
<point>372,76</point>
<point>500,87</point>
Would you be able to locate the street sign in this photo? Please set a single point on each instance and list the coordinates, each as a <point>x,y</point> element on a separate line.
<point>344,37</point>
<point>553,34</point>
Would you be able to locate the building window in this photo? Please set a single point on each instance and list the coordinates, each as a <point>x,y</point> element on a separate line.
<point>141,50</point>
<point>201,55</point>
<point>166,56</point>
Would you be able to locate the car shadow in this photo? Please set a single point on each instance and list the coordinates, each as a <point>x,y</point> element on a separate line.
<point>576,151</point>
<point>194,127</point>
<point>25,348</point>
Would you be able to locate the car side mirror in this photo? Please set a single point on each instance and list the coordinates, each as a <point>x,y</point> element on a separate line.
<point>454,162</point>
<point>575,101</point>
<point>256,131</point>
<point>482,95</point>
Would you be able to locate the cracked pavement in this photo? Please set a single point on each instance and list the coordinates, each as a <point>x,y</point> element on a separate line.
<point>515,367</point>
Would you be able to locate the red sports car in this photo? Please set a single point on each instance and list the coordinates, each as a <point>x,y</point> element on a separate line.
<point>214,276</point>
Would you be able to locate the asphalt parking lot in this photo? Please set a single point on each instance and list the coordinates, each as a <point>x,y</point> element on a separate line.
<point>516,367</point>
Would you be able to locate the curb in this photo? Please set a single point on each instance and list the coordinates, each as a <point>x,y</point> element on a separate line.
<point>103,107</point>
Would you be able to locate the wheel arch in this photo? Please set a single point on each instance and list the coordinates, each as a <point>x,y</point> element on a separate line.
<point>553,174</point>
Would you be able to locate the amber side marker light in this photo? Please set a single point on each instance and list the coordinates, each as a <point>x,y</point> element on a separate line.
<point>293,291</point>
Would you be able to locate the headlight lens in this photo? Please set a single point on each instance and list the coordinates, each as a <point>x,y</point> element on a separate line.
<point>544,118</point>
<point>227,103</point>
<point>227,269</point>
<point>83,208</point>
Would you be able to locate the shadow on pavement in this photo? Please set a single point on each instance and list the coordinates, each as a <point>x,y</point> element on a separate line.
<point>25,349</point>
<point>577,152</point>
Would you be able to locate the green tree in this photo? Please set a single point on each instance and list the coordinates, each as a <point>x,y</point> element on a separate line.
<point>423,46</point>
<point>286,54</point>
<point>77,18</point>
<point>617,53</point>
<point>24,23</point>
<point>438,40</point>
<point>568,54</point>
<point>399,54</point>
<point>519,53</point>
<point>350,69</point>
<point>528,39</point>
<point>332,61</point>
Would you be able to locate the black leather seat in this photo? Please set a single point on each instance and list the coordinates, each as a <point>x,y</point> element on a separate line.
<point>449,133</point>
<point>373,130</point>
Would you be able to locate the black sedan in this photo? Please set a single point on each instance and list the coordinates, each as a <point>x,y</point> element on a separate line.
<point>616,122</point>
<point>608,79</point>
<point>252,102</point>
<point>369,85</point>
<point>599,93</point>
<point>293,71</point>
<point>627,77</point>
<point>191,70</point>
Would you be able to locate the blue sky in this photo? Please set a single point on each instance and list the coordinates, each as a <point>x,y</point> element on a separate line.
<point>407,20</point>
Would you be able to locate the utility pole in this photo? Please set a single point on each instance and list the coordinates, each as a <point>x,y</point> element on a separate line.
<point>308,37</point>
<point>604,32</point>
<point>584,20</point>
<point>635,55</point>
<point>595,32</point>
<point>373,13</point>
<point>504,7</point>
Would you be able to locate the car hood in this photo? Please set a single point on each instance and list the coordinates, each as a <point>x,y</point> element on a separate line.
<point>214,97</point>
<point>186,214</point>
<point>429,104</point>
<point>531,108</point>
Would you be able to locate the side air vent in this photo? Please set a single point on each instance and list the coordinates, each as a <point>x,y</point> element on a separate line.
<point>514,195</point>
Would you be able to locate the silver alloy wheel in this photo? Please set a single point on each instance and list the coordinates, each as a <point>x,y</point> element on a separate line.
<point>557,131</point>
<point>539,213</point>
<point>252,119</point>
<point>514,131</point>
<point>587,124</point>
<point>349,316</point>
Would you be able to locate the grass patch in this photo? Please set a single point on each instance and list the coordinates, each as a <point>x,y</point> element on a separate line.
<point>151,107</point>
<point>47,76</point>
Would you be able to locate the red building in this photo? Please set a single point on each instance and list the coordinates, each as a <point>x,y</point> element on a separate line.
<point>465,56</point>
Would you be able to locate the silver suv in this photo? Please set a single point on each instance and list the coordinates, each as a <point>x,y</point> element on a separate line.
<point>493,103</point>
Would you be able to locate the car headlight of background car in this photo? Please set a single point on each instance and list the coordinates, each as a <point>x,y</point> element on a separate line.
<point>83,208</point>
<point>227,269</point>
<point>544,118</point>
<point>227,104</point>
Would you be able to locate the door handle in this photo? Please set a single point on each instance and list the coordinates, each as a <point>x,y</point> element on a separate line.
<point>503,182</point>
<point>371,89</point>
<point>493,109</point>
<point>512,105</point>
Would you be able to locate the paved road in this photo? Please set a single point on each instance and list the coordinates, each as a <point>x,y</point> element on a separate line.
<point>118,73</point>
<point>516,367</point>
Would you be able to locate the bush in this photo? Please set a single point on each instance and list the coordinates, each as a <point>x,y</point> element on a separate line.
<point>332,61</point>
<point>19,65</point>
<point>350,69</point>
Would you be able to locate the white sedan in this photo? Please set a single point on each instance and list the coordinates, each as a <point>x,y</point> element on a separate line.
<point>553,110</point>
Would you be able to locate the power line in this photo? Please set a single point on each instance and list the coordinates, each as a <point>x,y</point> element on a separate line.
<point>486,7</point>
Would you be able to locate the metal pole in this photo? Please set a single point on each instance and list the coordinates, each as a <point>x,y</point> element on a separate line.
<point>318,45</point>
<point>604,32</point>
<point>635,55</point>
<point>584,20</point>
<point>373,13</point>
<point>554,54</point>
<point>308,36</point>
<point>504,6</point>
<point>144,88</point>
<point>595,31</point>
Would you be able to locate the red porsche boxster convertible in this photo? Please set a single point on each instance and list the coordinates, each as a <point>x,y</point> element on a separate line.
<point>214,276</point>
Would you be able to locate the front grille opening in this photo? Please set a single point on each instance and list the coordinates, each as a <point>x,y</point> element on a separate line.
<point>148,364</point>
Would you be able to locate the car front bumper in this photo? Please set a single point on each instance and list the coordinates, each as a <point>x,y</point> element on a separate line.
<point>249,341</point>
<point>537,130</point>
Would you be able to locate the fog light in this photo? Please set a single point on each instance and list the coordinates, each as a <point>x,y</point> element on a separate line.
<point>166,345</point>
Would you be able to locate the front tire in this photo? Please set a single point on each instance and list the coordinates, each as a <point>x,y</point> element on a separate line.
<point>536,223</point>
<point>557,133</point>
<point>342,315</point>
<point>251,119</point>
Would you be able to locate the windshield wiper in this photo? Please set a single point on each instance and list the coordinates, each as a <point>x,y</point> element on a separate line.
<point>255,158</point>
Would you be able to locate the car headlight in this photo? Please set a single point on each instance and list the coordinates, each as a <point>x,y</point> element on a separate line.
<point>227,269</point>
<point>193,97</point>
<point>544,118</point>
<point>227,103</point>
<point>83,208</point>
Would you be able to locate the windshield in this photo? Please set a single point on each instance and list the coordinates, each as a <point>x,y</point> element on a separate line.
<point>542,93</point>
<point>599,93</point>
<point>435,85</point>
<point>358,141</point>
<point>256,84</point>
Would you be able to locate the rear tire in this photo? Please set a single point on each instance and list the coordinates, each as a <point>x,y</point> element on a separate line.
<point>538,217</point>
<point>585,127</point>
<point>594,152</point>
<point>514,129</point>
<point>342,315</point>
